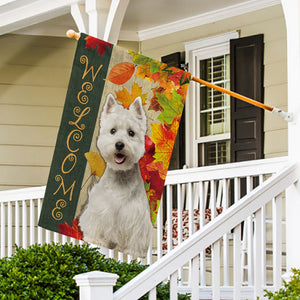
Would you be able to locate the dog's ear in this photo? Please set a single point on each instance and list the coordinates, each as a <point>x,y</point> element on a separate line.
<point>137,107</point>
<point>109,104</point>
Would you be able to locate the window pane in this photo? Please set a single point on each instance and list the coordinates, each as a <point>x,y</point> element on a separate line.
<point>214,153</point>
<point>214,105</point>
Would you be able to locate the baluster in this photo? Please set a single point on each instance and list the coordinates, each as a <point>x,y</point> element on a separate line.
<point>120,257</point>
<point>263,240</point>
<point>202,199</point>
<point>179,227</point>
<point>169,217</point>
<point>32,222</point>
<point>190,208</point>
<point>48,239</point>
<point>237,276</point>
<point>149,254</point>
<point>249,187</point>
<point>129,258</point>
<point>194,281</point>
<point>258,287</point>
<point>17,224</point>
<point>9,229</point>
<point>40,230</point>
<point>64,239</point>
<point>237,267</point>
<point>173,286</point>
<point>24,224</point>
<point>191,219</point>
<point>216,270</point>
<point>152,294</point>
<point>224,204</point>
<point>213,199</point>
<point>111,253</point>
<point>55,237</point>
<point>2,229</point>
<point>159,231</point>
<point>277,241</point>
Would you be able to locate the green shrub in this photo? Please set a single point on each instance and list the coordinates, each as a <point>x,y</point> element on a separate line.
<point>290,291</point>
<point>44,272</point>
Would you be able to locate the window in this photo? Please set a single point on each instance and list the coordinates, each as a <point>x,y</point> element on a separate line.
<point>214,112</point>
<point>208,110</point>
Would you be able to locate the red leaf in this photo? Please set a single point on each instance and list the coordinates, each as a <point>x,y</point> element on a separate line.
<point>121,73</point>
<point>74,231</point>
<point>94,43</point>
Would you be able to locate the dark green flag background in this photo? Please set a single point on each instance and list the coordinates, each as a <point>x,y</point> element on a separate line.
<point>75,132</point>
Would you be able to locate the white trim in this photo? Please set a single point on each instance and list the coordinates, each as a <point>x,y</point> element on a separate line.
<point>206,18</point>
<point>212,41</point>
<point>195,50</point>
<point>13,19</point>
<point>213,138</point>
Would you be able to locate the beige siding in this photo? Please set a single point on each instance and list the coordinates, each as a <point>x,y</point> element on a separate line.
<point>270,22</point>
<point>33,81</point>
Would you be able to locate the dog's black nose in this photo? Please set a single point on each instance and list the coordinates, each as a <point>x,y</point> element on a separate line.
<point>119,146</point>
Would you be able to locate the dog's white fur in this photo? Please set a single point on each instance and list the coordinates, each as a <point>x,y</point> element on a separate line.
<point>117,214</point>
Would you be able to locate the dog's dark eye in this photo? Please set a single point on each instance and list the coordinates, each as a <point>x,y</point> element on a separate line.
<point>131,133</point>
<point>113,131</point>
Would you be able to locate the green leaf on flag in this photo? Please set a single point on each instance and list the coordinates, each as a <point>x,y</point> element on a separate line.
<point>172,108</point>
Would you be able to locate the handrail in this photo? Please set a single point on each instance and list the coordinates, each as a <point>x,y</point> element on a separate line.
<point>22,194</point>
<point>230,170</point>
<point>210,233</point>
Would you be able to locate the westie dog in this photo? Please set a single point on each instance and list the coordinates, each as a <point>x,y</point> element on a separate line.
<point>117,214</point>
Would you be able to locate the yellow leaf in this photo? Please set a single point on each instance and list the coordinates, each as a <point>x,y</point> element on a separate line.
<point>126,98</point>
<point>96,162</point>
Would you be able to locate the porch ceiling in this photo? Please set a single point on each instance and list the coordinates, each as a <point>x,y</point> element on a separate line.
<point>143,19</point>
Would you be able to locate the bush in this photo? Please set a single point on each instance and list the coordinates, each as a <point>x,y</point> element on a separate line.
<point>46,271</point>
<point>290,291</point>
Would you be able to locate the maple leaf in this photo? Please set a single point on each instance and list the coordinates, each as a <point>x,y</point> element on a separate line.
<point>176,76</point>
<point>157,166</point>
<point>74,231</point>
<point>139,58</point>
<point>126,98</point>
<point>92,42</point>
<point>164,138</point>
<point>96,162</point>
<point>121,73</point>
<point>143,71</point>
<point>171,108</point>
<point>147,158</point>
<point>185,78</point>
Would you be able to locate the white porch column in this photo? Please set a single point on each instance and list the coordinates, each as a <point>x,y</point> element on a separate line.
<point>292,18</point>
<point>101,19</point>
<point>96,285</point>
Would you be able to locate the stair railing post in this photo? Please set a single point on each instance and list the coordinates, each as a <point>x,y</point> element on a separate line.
<point>96,285</point>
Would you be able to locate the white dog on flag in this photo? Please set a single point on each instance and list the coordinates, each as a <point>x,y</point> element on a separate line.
<point>117,214</point>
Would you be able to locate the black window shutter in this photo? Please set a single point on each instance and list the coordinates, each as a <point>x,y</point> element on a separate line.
<point>178,155</point>
<point>246,77</point>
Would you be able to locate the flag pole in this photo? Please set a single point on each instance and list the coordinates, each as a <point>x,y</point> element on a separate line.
<point>287,116</point>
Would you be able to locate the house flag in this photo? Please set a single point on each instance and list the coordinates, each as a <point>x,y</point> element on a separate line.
<point>118,128</point>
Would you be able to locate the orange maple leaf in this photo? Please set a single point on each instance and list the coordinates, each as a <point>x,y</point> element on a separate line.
<point>126,98</point>
<point>96,162</point>
<point>121,73</point>
<point>164,137</point>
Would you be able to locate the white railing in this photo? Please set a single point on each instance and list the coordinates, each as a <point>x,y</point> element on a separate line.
<point>189,193</point>
<point>191,251</point>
